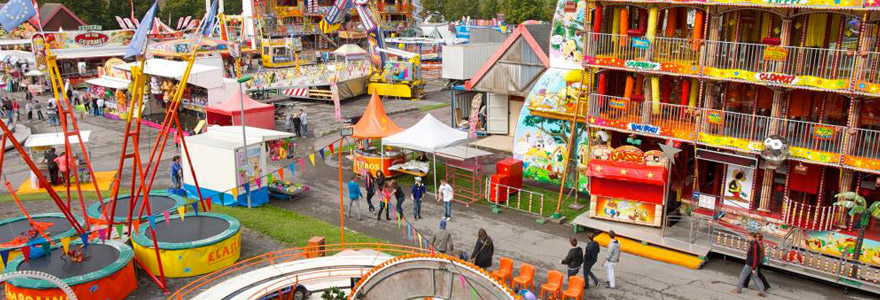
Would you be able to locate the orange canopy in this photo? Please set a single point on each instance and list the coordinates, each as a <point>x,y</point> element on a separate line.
<point>374,123</point>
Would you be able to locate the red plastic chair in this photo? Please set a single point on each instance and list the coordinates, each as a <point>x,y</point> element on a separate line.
<point>575,288</point>
<point>553,287</point>
<point>505,270</point>
<point>526,277</point>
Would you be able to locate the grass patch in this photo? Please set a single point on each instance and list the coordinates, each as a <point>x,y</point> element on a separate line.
<point>290,227</point>
<point>433,107</point>
<point>89,196</point>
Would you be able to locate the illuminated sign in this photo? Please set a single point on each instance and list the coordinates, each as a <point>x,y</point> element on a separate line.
<point>91,39</point>
<point>642,65</point>
<point>715,117</point>
<point>776,78</point>
<point>644,128</point>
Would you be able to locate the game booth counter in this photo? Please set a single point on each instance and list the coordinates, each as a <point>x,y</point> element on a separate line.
<point>628,185</point>
<point>112,86</point>
<point>229,112</point>
<point>374,124</point>
<point>17,232</point>
<point>427,136</point>
<point>224,169</point>
<point>106,271</point>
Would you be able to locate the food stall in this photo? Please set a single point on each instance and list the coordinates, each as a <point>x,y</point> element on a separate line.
<point>374,124</point>
<point>229,112</point>
<point>428,135</point>
<point>627,185</point>
<point>39,144</point>
<point>222,164</point>
<point>111,85</point>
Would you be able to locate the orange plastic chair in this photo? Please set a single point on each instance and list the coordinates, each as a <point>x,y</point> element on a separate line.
<point>575,288</point>
<point>526,277</point>
<point>505,270</point>
<point>553,287</point>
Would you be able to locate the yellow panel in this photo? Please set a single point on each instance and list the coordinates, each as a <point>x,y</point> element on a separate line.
<point>191,262</point>
<point>387,89</point>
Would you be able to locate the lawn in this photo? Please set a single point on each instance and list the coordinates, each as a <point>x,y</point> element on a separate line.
<point>433,107</point>
<point>290,227</point>
<point>87,195</point>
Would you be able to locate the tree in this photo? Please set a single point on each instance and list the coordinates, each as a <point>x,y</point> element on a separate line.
<point>175,9</point>
<point>489,8</point>
<point>90,11</point>
<point>858,206</point>
<point>517,11</point>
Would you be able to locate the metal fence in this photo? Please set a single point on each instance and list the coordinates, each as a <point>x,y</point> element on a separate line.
<point>670,120</point>
<point>514,198</point>
<point>811,217</point>
<point>864,143</point>
<point>663,49</point>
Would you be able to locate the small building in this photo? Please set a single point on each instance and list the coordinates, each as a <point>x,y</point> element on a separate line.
<point>55,16</point>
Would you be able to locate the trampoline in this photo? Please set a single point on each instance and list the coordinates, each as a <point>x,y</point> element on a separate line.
<point>106,272</point>
<point>159,201</point>
<point>13,230</point>
<point>201,243</point>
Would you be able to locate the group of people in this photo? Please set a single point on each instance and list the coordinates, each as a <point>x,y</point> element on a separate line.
<point>58,166</point>
<point>589,256</point>
<point>298,123</point>
<point>388,189</point>
<point>753,266</point>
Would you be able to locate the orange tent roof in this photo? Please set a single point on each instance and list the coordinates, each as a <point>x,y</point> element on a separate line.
<point>374,123</point>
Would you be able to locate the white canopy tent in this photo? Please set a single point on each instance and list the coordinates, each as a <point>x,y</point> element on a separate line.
<point>428,135</point>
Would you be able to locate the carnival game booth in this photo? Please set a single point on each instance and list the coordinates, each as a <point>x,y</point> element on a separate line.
<point>39,144</point>
<point>628,185</point>
<point>190,245</point>
<point>428,135</point>
<point>19,231</point>
<point>256,114</point>
<point>374,124</point>
<point>223,169</point>
<point>106,271</point>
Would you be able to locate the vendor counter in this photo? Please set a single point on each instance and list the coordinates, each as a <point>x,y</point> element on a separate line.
<point>374,161</point>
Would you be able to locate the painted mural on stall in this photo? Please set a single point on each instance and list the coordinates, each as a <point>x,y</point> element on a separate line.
<point>836,244</point>
<point>566,37</point>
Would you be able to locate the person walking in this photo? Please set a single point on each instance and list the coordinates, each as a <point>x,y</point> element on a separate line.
<point>297,123</point>
<point>100,107</point>
<point>446,194</point>
<point>29,108</point>
<point>288,120</point>
<point>15,109</point>
<point>574,259</point>
<point>304,122</point>
<point>63,167</point>
<point>39,108</point>
<point>591,256</point>
<point>386,201</point>
<point>612,259</point>
<point>400,196</point>
<point>442,239</point>
<point>754,256</point>
<point>52,111</point>
<point>483,250</point>
<point>418,191</point>
<point>176,172</point>
<point>49,159</point>
<point>371,190</point>
<point>354,194</point>
<point>10,114</point>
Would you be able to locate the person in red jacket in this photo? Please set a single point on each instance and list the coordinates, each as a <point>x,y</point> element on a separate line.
<point>754,257</point>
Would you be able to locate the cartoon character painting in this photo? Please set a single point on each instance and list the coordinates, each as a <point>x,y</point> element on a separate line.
<point>566,37</point>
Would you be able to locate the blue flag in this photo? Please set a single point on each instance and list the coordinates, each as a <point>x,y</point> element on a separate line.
<point>195,206</point>
<point>139,40</point>
<point>4,255</point>
<point>322,153</point>
<point>16,12</point>
<point>152,220</point>
<point>208,21</point>
<point>291,167</point>
<point>85,240</point>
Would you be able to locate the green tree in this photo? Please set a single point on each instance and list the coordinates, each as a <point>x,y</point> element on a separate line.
<point>489,8</point>
<point>517,11</point>
<point>175,9</point>
<point>90,11</point>
<point>858,208</point>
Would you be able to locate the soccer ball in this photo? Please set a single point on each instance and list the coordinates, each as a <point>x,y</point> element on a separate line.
<point>775,150</point>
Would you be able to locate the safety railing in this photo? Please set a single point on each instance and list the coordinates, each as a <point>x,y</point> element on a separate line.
<point>836,269</point>
<point>282,256</point>
<point>864,143</point>
<point>287,284</point>
<point>736,125</point>
<point>687,229</point>
<point>869,72</point>
<point>514,198</point>
<point>665,119</point>
<point>810,217</point>
<point>787,60</point>
<point>809,135</point>
<point>662,49</point>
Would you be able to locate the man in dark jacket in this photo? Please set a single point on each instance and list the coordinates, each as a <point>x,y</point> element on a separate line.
<point>574,259</point>
<point>760,240</point>
<point>754,256</point>
<point>483,250</point>
<point>591,256</point>
<point>418,190</point>
<point>371,190</point>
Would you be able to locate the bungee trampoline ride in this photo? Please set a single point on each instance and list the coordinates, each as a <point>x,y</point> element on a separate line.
<point>159,201</point>
<point>16,232</point>
<point>196,244</point>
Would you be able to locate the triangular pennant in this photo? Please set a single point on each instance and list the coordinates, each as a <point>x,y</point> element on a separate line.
<point>235,192</point>
<point>195,206</point>
<point>258,182</point>
<point>136,225</point>
<point>281,172</point>
<point>26,252</point>
<point>119,229</point>
<point>102,234</point>
<point>270,178</point>
<point>292,168</point>
<point>312,159</point>
<point>302,163</point>
<point>47,248</point>
<point>181,211</point>
<point>167,216</point>
<point>331,149</point>
<point>4,255</point>
<point>247,187</point>
<point>65,244</point>
<point>222,197</point>
<point>407,232</point>
<point>474,294</point>
<point>420,240</point>
<point>322,153</point>
<point>152,220</point>
<point>85,240</point>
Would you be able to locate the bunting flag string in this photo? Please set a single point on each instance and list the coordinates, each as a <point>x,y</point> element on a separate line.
<point>26,252</point>
<point>331,149</point>
<point>136,224</point>
<point>118,230</point>
<point>302,163</point>
<point>195,206</point>
<point>312,159</point>
<point>292,168</point>
<point>258,182</point>
<point>281,172</point>
<point>4,255</point>
<point>85,240</point>
<point>65,244</point>
<point>167,216</point>
<point>181,211</point>
<point>322,153</point>
<point>152,221</point>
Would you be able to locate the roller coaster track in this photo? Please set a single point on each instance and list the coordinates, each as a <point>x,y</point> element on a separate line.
<point>43,276</point>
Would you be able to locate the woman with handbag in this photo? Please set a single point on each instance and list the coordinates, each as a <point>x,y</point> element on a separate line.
<point>483,250</point>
